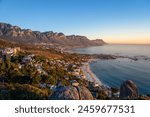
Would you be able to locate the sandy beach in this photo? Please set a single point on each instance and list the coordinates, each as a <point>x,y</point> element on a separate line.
<point>89,74</point>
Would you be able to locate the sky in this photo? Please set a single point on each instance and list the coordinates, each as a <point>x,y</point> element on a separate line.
<point>115,21</point>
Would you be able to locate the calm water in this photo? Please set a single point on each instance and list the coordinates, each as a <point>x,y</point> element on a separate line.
<point>114,72</point>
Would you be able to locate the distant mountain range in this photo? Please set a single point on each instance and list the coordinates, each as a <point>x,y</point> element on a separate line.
<point>27,36</point>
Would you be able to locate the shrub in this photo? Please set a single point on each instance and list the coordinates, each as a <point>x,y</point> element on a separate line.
<point>22,92</point>
<point>102,95</point>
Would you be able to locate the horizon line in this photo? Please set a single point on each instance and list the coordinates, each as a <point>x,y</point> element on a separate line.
<point>126,43</point>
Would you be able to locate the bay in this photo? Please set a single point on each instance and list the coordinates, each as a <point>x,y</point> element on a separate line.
<point>114,72</point>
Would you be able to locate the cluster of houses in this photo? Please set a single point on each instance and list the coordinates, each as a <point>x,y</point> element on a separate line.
<point>50,46</point>
<point>7,53</point>
<point>53,87</point>
<point>29,59</point>
<point>73,68</point>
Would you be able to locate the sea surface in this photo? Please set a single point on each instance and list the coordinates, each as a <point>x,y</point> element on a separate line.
<point>114,72</point>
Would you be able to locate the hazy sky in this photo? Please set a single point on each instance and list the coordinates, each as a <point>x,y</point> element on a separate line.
<point>116,21</point>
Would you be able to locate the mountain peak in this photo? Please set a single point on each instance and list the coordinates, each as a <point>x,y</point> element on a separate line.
<point>19,35</point>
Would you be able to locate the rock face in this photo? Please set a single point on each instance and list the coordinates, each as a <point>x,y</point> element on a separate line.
<point>98,41</point>
<point>16,34</point>
<point>71,93</point>
<point>128,89</point>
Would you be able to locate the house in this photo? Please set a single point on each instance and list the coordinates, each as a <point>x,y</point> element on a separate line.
<point>7,53</point>
<point>32,55</point>
<point>74,83</point>
<point>27,59</point>
<point>77,70</point>
<point>39,69</point>
<point>75,73</point>
<point>42,85</point>
<point>51,87</point>
<point>20,66</point>
<point>16,50</point>
<point>83,77</point>
<point>95,84</point>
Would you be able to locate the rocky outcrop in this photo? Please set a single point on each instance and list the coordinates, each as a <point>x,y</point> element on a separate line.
<point>16,34</point>
<point>71,93</point>
<point>98,42</point>
<point>128,89</point>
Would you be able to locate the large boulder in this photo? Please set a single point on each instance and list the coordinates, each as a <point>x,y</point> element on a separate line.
<point>71,93</point>
<point>84,93</point>
<point>128,90</point>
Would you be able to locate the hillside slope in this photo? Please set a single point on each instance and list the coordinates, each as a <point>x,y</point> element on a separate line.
<point>18,35</point>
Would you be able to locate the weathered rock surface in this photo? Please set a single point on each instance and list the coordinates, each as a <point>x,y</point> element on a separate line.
<point>128,89</point>
<point>71,93</point>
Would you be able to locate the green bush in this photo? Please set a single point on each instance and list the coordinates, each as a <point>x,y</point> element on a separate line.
<point>102,95</point>
<point>22,92</point>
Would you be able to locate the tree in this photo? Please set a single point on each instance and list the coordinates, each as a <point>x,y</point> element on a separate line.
<point>3,66</point>
<point>102,95</point>
<point>36,78</point>
<point>8,63</point>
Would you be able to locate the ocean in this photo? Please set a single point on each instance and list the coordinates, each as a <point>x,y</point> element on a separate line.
<point>114,72</point>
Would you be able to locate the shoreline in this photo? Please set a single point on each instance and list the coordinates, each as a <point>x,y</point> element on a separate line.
<point>86,69</point>
<point>90,76</point>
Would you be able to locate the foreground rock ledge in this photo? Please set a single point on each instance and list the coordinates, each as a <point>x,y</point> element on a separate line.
<point>128,89</point>
<point>71,93</point>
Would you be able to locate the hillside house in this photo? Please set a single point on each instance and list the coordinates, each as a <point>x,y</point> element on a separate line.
<point>7,53</point>
<point>16,50</point>
<point>74,83</point>
<point>26,60</point>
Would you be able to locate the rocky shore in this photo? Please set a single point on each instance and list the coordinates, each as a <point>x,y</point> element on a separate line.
<point>127,90</point>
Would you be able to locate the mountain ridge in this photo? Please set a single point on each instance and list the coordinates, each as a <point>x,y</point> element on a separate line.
<point>19,35</point>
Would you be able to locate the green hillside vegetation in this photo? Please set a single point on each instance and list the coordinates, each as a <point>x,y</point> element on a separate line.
<point>22,92</point>
<point>22,81</point>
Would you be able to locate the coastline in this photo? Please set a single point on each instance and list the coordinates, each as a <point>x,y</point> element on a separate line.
<point>90,76</point>
<point>85,68</point>
<point>95,81</point>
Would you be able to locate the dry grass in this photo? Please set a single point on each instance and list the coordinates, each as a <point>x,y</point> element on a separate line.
<point>45,54</point>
